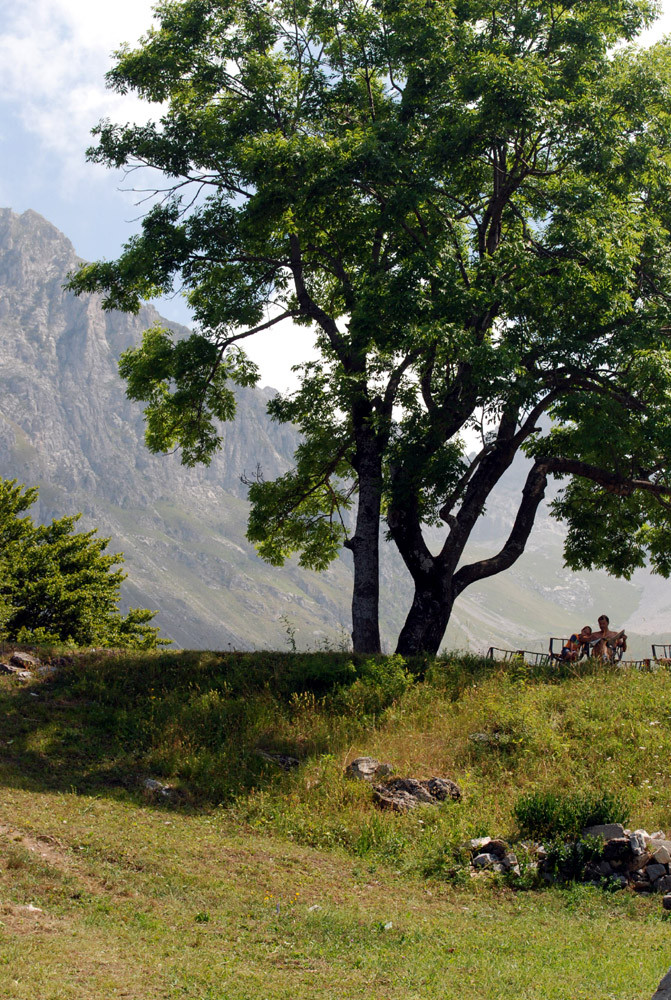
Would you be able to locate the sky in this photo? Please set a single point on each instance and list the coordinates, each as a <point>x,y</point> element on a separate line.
<point>53,59</point>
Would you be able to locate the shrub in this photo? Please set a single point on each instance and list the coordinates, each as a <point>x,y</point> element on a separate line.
<point>551,815</point>
<point>380,682</point>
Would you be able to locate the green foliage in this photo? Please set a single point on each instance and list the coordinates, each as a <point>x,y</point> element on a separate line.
<point>58,585</point>
<point>469,205</point>
<point>567,860</point>
<point>380,681</point>
<point>552,815</point>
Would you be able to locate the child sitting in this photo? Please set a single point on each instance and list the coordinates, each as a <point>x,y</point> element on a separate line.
<point>575,646</point>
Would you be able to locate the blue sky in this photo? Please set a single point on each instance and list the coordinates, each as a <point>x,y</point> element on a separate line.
<point>53,57</point>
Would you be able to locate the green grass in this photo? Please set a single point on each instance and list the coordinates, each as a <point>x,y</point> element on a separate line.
<point>144,900</point>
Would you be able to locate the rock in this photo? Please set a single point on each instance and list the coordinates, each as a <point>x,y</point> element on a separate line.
<point>280,759</point>
<point>663,884</point>
<point>666,902</point>
<point>617,849</point>
<point>510,862</point>
<point>477,844</point>
<point>637,843</point>
<point>403,794</point>
<point>637,863</point>
<point>662,855</point>
<point>655,844</point>
<point>314,908</point>
<point>606,831</point>
<point>46,670</point>
<point>605,868</point>
<point>664,988</point>
<point>157,791</point>
<point>397,801</point>
<point>485,860</point>
<point>498,847</point>
<point>655,871</point>
<point>24,660</point>
<point>443,788</point>
<point>658,835</point>
<point>619,881</point>
<point>367,768</point>
<point>11,668</point>
<point>642,887</point>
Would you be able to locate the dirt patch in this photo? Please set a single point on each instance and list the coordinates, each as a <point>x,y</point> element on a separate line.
<point>27,919</point>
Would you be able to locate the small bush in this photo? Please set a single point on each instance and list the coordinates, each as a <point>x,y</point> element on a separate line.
<point>551,815</point>
<point>380,682</point>
<point>567,861</point>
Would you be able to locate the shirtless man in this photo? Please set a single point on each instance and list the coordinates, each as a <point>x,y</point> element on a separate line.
<point>608,641</point>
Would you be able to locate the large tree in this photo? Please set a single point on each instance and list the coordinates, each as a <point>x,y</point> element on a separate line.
<point>469,203</point>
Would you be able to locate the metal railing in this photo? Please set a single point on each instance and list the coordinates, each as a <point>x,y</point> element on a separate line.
<point>527,656</point>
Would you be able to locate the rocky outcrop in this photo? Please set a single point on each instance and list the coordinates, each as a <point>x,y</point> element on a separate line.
<point>403,794</point>
<point>367,769</point>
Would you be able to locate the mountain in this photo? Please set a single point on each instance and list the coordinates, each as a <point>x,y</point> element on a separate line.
<point>66,425</point>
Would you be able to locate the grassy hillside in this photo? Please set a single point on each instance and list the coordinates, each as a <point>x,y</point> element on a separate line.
<point>213,897</point>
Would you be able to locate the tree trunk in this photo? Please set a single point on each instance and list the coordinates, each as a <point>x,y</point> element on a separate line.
<point>427,619</point>
<point>365,546</point>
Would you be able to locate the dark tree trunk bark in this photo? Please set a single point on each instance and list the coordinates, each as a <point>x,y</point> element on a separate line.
<point>365,546</point>
<point>436,592</point>
<point>426,622</point>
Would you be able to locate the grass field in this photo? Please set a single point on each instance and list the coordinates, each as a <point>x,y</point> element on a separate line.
<point>263,885</point>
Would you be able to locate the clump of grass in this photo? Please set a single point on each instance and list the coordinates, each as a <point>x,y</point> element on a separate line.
<point>552,815</point>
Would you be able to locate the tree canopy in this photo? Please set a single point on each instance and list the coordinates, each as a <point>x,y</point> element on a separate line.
<point>469,203</point>
<point>58,585</point>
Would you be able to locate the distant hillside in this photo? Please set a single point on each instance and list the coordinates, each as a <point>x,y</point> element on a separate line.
<point>66,425</point>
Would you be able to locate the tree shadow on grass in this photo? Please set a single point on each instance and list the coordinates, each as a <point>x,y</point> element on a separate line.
<point>104,724</point>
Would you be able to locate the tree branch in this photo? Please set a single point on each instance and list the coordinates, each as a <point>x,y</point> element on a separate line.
<point>532,495</point>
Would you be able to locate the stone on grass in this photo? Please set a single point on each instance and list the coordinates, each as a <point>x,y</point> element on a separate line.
<point>443,788</point>
<point>476,844</point>
<point>157,791</point>
<point>367,768</point>
<point>637,843</point>
<point>46,670</point>
<point>661,854</point>
<point>606,831</point>
<point>485,860</point>
<point>403,794</point>
<point>654,871</point>
<point>24,660</point>
<point>11,668</point>
<point>509,862</point>
<point>498,847</point>
<point>663,884</point>
<point>666,902</point>
<point>280,759</point>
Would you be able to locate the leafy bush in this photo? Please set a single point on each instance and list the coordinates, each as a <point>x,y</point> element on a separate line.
<point>380,682</point>
<point>567,860</point>
<point>551,815</point>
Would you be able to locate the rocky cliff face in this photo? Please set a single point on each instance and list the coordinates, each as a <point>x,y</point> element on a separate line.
<point>66,425</point>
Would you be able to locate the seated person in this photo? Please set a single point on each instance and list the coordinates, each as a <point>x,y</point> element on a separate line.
<point>575,646</point>
<point>608,642</point>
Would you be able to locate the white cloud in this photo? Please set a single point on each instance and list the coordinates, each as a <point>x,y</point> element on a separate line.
<point>53,57</point>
